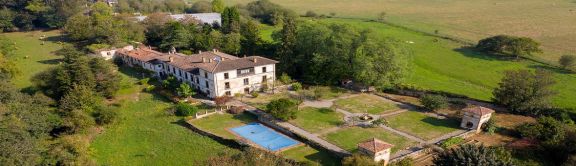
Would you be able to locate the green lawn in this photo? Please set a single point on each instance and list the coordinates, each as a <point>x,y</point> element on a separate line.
<point>263,99</point>
<point>327,92</point>
<point>349,138</point>
<point>308,154</point>
<point>422,125</point>
<point>219,123</point>
<point>40,57</point>
<point>315,120</point>
<point>366,103</point>
<point>147,135</point>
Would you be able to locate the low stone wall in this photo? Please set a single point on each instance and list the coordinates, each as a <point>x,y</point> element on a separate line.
<point>228,142</point>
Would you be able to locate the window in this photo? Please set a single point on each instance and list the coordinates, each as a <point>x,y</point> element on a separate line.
<point>244,71</point>
<point>207,85</point>
<point>226,76</point>
<point>227,85</point>
<point>246,82</point>
<point>263,69</point>
<point>178,73</point>
<point>264,78</point>
<point>205,74</point>
<point>228,93</point>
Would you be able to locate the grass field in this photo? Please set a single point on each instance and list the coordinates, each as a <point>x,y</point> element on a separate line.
<point>219,123</point>
<point>147,135</point>
<point>315,120</point>
<point>422,125</point>
<point>40,57</point>
<point>348,138</point>
<point>308,154</point>
<point>366,103</point>
<point>547,21</point>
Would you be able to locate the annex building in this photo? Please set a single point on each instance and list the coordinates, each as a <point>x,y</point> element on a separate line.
<point>211,72</point>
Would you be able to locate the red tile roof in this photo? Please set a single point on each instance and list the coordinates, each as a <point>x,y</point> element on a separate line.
<point>479,110</point>
<point>374,145</point>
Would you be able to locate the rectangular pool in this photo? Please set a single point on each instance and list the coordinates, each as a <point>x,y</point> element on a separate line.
<point>265,137</point>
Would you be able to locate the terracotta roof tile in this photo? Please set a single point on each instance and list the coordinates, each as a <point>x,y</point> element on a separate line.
<point>374,145</point>
<point>479,110</point>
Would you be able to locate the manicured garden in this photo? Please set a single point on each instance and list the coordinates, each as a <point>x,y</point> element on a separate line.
<point>422,125</point>
<point>308,154</point>
<point>348,138</point>
<point>366,103</point>
<point>315,120</point>
<point>220,123</point>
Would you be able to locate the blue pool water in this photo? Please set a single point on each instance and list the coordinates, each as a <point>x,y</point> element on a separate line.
<point>264,136</point>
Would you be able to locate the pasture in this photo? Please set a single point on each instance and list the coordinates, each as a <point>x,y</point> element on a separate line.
<point>546,21</point>
<point>445,65</point>
<point>31,55</point>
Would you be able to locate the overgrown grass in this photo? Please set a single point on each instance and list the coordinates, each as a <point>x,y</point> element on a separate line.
<point>366,103</point>
<point>31,55</point>
<point>220,123</point>
<point>315,120</point>
<point>422,125</point>
<point>308,154</point>
<point>349,138</point>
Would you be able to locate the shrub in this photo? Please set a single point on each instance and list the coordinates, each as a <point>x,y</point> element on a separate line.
<point>285,78</point>
<point>408,161</point>
<point>144,81</point>
<point>474,155</point>
<point>490,126</point>
<point>434,102</point>
<point>255,94</point>
<point>567,61</point>
<point>310,13</point>
<point>296,86</point>
<point>105,116</point>
<point>379,122</point>
<point>284,109</point>
<point>237,110</point>
<point>150,88</point>
<point>185,109</point>
<point>451,142</point>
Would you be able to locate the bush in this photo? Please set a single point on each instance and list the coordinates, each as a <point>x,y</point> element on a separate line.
<point>284,109</point>
<point>185,109</point>
<point>408,161</point>
<point>144,81</point>
<point>490,126</point>
<point>237,110</point>
<point>150,88</point>
<point>451,142</point>
<point>310,13</point>
<point>378,122</point>
<point>434,102</point>
<point>285,78</point>
<point>567,62</point>
<point>296,86</point>
<point>105,116</point>
<point>255,94</point>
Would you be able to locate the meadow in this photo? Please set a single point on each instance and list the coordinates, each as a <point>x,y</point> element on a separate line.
<point>31,55</point>
<point>547,21</point>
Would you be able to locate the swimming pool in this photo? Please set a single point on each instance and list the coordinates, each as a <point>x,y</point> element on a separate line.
<point>264,136</point>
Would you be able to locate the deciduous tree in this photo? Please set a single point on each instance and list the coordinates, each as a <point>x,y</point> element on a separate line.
<point>524,91</point>
<point>470,154</point>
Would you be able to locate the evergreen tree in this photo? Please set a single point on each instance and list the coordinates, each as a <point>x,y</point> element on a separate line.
<point>230,20</point>
<point>250,37</point>
<point>218,6</point>
<point>469,154</point>
<point>287,48</point>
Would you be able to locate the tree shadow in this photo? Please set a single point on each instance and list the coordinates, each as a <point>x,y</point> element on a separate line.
<point>473,53</point>
<point>322,158</point>
<point>50,61</point>
<point>450,123</point>
<point>56,39</point>
<point>31,90</point>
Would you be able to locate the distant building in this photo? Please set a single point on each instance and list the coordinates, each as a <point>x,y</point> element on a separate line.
<point>474,117</point>
<point>108,54</point>
<point>376,149</point>
<point>211,72</point>
<point>204,18</point>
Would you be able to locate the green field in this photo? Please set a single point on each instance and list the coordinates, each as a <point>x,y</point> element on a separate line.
<point>308,154</point>
<point>315,120</point>
<point>349,138</point>
<point>547,21</point>
<point>366,103</point>
<point>147,135</point>
<point>422,125</point>
<point>220,123</point>
<point>40,57</point>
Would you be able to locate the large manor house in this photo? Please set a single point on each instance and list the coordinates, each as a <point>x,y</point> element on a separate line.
<point>213,73</point>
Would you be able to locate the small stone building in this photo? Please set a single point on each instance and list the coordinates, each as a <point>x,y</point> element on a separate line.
<point>376,149</point>
<point>474,117</point>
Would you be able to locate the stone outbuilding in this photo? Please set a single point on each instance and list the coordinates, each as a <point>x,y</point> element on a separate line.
<point>474,117</point>
<point>376,149</point>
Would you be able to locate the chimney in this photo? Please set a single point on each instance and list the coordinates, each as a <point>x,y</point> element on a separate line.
<point>214,50</point>
<point>203,60</point>
<point>255,60</point>
<point>170,58</point>
<point>200,52</point>
<point>210,60</point>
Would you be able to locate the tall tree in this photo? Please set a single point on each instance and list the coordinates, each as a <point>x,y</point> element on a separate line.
<point>287,48</point>
<point>218,6</point>
<point>250,37</point>
<point>230,20</point>
<point>525,92</point>
<point>523,46</point>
